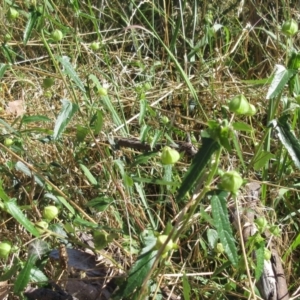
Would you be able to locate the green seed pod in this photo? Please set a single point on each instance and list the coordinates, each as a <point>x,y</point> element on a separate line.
<point>160,241</point>
<point>290,27</point>
<point>275,230</point>
<point>57,35</point>
<point>95,46</point>
<point>50,212</point>
<point>169,156</point>
<point>12,14</point>
<point>40,226</point>
<point>239,105</point>
<point>102,91</point>
<point>267,254</point>
<point>7,37</point>
<point>8,142</point>
<point>165,120</point>
<point>219,248</point>
<point>261,223</point>
<point>5,248</point>
<point>231,181</point>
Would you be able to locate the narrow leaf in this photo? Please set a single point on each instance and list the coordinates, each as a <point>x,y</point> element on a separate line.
<point>288,139</point>
<point>37,118</point>
<point>24,276</point>
<point>12,208</point>
<point>201,159</point>
<point>281,78</point>
<point>66,113</point>
<point>69,70</point>
<point>241,126</point>
<point>262,158</point>
<point>32,20</point>
<point>221,221</point>
<point>88,174</point>
<point>186,288</point>
<point>21,167</point>
<point>3,68</point>
<point>137,274</point>
<point>81,133</point>
<point>97,122</point>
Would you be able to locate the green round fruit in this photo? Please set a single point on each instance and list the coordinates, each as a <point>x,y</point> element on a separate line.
<point>50,212</point>
<point>102,91</point>
<point>8,142</point>
<point>47,82</point>
<point>7,37</point>
<point>219,248</point>
<point>12,14</point>
<point>239,105</point>
<point>5,249</point>
<point>57,35</point>
<point>41,226</point>
<point>231,181</point>
<point>160,241</point>
<point>267,254</point>
<point>275,230</point>
<point>165,120</point>
<point>290,27</point>
<point>261,223</point>
<point>169,156</point>
<point>95,46</point>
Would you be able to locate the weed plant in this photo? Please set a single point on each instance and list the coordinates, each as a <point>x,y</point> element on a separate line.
<point>97,99</point>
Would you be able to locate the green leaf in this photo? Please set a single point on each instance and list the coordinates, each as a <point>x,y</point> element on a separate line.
<point>66,204</point>
<point>212,238</point>
<point>37,275</point>
<point>13,209</point>
<point>260,258</point>
<point>241,126</point>
<point>88,174</point>
<point>201,159</point>
<point>66,113</point>
<point>11,272</point>
<point>32,20</point>
<point>3,195</point>
<point>143,158</point>
<point>281,78</point>
<point>81,133</point>
<point>3,68</point>
<point>137,274</point>
<point>97,121</point>
<point>37,118</point>
<point>262,158</point>
<point>128,181</point>
<point>100,203</point>
<point>21,167</point>
<point>186,288</point>
<point>288,139</point>
<point>221,221</point>
<point>69,70</point>
<point>24,276</point>
<point>82,222</point>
